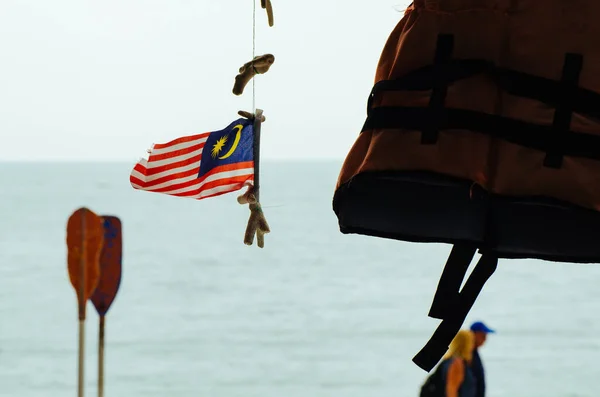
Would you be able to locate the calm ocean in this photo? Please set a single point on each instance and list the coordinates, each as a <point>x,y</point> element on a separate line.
<point>314,314</point>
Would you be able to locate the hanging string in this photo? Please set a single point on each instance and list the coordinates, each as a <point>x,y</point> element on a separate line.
<point>253,54</point>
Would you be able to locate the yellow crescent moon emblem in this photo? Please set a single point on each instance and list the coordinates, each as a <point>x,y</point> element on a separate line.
<point>238,135</point>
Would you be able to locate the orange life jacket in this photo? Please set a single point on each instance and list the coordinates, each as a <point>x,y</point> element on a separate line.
<point>482,131</point>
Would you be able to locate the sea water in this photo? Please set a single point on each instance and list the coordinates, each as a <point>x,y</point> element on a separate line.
<point>314,314</point>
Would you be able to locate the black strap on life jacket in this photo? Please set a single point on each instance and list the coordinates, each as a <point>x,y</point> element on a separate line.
<point>421,79</point>
<point>550,92</point>
<point>562,114</point>
<point>454,315</point>
<point>534,136</point>
<point>443,53</point>
<point>556,140</point>
<point>446,295</point>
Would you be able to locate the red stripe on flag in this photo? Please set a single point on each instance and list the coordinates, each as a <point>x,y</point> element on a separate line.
<point>150,170</point>
<point>175,153</point>
<point>212,184</point>
<point>175,185</point>
<point>171,177</point>
<point>181,140</point>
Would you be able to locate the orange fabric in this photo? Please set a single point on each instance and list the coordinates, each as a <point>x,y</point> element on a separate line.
<point>530,36</point>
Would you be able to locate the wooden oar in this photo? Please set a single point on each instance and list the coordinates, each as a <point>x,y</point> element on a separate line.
<point>110,279</point>
<point>85,236</point>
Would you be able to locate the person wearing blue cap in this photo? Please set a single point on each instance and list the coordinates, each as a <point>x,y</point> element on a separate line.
<point>480,330</point>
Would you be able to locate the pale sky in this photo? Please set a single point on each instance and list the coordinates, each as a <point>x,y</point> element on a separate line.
<point>104,79</point>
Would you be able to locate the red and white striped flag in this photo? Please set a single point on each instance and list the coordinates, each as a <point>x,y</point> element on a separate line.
<point>199,166</point>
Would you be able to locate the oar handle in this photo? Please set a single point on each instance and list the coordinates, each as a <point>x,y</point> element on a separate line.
<point>101,357</point>
<point>81,357</point>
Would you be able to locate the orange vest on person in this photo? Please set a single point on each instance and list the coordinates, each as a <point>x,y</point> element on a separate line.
<point>482,131</point>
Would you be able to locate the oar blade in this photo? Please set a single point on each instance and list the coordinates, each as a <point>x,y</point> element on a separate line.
<point>110,265</point>
<point>85,236</point>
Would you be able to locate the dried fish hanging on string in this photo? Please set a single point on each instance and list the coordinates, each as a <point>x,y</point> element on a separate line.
<point>221,161</point>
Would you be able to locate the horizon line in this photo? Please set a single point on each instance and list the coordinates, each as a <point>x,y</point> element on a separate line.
<point>75,160</point>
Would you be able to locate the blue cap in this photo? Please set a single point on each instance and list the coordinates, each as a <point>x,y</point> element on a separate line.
<point>478,326</point>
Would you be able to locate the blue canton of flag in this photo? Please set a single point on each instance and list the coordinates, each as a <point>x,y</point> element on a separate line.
<point>234,144</point>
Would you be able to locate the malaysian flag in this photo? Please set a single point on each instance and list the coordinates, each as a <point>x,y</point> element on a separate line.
<point>199,166</point>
